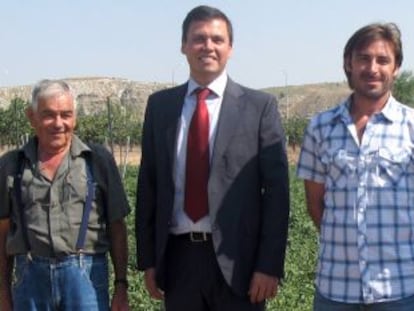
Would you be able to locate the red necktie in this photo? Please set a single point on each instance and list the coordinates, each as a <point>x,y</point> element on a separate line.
<point>197,163</point>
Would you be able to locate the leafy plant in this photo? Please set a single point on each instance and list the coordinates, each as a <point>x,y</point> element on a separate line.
<point>13,123</point>
<point>294,130</point>
<point>403,89</point>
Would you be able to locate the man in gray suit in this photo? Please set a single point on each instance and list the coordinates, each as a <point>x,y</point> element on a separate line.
<point>213,192</point>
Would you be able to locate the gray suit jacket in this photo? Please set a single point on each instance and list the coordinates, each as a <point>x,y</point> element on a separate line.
<point>248,188</point>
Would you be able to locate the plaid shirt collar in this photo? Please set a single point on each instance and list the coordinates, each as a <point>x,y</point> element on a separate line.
<point>390,112</point>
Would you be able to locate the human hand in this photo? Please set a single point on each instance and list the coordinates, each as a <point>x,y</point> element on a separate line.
<point>5,301</point>
<point>120,298</point>
<point>151,285</point>
<point>262,286</point>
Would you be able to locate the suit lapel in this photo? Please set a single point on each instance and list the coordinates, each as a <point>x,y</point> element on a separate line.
<point>176,102</point>
<point>228,119</point>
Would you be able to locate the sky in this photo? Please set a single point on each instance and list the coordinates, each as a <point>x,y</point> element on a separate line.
<point>276,42</point>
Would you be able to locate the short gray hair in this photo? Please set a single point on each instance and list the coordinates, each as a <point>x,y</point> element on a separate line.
<point>50,88</point>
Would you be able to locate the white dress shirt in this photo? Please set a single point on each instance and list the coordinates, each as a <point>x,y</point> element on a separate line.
<point>180,222</point>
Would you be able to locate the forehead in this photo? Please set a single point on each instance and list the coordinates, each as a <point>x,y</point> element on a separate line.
<point>379,46</point>
<point>60,101</point>
<point>214,25</point>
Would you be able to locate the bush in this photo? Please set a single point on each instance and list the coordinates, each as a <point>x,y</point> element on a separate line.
<point>404,88</point>
<point>294,130</point>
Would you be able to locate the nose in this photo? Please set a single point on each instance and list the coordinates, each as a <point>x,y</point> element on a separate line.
<point>58,121</point>
<point>373,65</point>
<point>208,44</point>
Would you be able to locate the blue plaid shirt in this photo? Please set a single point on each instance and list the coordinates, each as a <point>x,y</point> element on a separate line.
<point>366,252</point>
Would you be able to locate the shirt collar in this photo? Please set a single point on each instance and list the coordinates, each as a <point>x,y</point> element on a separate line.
<point>389,111</point>
<point>340,111</point>
<point>76,149</point>
<point>217,86</point>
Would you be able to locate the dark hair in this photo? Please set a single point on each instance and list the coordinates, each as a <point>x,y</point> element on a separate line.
<point>205,13</point>
<point>372,32</point>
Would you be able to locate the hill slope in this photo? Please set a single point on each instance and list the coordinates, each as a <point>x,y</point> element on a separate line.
<point>92,95</point>
<point>306,100</point>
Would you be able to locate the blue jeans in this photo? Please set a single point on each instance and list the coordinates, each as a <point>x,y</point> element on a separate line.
<point>320,303</point>
<point>76,282</point>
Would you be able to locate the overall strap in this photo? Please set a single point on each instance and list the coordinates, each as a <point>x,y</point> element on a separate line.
<point>90,196</point>
<point>17,186</point>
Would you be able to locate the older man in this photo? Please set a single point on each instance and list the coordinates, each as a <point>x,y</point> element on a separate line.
<point>62,207</point>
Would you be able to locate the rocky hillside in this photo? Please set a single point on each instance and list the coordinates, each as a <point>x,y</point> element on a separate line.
<point>306,100</point>
<point>93,93</point>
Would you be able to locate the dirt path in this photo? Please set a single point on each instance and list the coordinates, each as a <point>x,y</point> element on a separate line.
<point>132,158</point>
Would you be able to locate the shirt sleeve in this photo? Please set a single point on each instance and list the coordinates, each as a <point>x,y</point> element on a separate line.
<point>310,166</point>
<point>6,183</point>
<point>114,196</point>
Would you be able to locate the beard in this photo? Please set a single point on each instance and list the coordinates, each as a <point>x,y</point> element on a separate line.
<point>383,86</point>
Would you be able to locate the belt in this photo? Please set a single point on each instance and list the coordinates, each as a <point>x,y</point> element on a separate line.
<point>195,237</point>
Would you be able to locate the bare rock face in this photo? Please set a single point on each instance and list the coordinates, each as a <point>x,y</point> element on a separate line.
<point>93,94</point>
<point>9,93</point>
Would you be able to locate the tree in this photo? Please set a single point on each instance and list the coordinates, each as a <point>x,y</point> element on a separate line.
<point>13,123</point>
<point>294,130</point>
<point>92,128</point>
<point>125,125</point>
<point>95,127</point>
<point>403,89</point>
